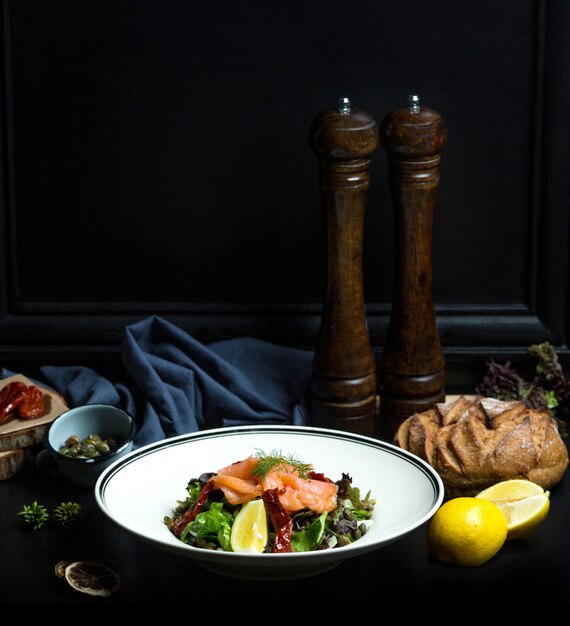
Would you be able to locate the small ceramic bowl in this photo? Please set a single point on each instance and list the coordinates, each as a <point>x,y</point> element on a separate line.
<point>91,419</point>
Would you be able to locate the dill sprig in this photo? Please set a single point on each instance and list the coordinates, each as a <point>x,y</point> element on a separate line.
<point>276,460</point>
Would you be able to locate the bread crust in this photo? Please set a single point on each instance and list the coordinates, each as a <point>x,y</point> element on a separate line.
<point>473,444</point>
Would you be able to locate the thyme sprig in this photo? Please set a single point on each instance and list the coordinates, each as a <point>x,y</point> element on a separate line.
<point>36,515</point>
<point>67,513</point>
<point>276,460</point>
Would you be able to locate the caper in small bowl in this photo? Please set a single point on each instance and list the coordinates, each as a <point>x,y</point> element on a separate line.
<point>89,447</point>
<point>87,439</point>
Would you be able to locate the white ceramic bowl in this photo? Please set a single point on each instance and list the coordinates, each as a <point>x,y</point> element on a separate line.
<point>137,491</point>
<point>97,419</point>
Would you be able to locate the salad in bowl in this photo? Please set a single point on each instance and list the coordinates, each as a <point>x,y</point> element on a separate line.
<point>270,503</point>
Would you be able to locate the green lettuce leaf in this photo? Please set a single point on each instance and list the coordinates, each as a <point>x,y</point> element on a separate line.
<point>212,524</point>
<point>193,487</point>
<point>309,538</point>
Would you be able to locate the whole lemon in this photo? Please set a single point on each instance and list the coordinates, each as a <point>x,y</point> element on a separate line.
<point>466,531</point>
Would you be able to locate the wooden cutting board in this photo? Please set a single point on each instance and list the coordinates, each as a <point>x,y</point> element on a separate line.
<point>15,433</point>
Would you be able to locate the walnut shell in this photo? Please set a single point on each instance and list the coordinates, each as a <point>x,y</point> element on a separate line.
<point>473,444</point>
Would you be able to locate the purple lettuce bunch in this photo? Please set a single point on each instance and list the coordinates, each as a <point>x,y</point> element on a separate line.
<point>549,389</point>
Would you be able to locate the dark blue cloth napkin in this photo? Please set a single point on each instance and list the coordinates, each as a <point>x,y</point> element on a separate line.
<point>179,385</point>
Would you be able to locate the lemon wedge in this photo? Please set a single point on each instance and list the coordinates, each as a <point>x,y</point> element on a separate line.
<point>249,530</point>
<point>523,503</point>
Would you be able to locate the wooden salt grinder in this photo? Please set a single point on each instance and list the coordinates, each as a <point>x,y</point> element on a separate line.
<point>412,368</point>
<point>343,382</point>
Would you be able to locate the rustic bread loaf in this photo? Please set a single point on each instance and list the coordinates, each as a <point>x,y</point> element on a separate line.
<point>473,444</point>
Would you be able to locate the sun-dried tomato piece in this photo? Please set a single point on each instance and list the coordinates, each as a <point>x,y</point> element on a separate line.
<point>281,520</point>
<point>10,397</point>
<point>181,522</point>
<point>319,476</point>
<point>32,404</point>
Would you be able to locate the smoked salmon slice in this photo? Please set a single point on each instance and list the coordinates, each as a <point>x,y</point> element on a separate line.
<point>240,484</point>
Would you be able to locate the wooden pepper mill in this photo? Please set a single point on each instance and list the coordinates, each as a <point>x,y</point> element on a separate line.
<point>412,368</point>
<point>343,382</point>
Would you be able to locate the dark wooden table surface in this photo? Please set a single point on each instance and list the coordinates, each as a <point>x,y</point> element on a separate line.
<point>538,565</point>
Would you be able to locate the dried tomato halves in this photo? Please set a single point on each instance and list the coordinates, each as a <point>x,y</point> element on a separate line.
<point>281,520</point>
<point>27,401</point>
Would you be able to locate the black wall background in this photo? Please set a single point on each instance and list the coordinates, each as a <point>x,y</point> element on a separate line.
<point>155,160</point>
